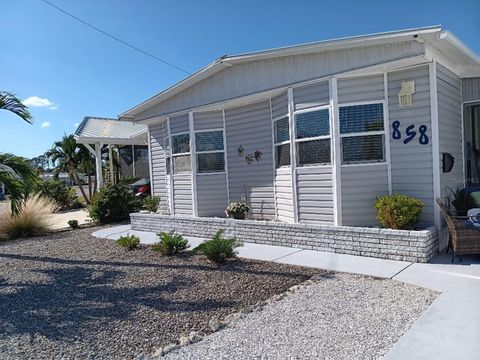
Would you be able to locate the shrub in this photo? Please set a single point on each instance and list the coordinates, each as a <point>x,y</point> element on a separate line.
<point>32,218</point>
<point>218,249</point>
<point>58,191</point>
<point>462,201</point>
<point>398,211</point>
<point>129,242</point>
<point>73,224</point>
<point>113,203</point>
<point>237,210</point>
<point>170,243</point>
<point>151,203</point>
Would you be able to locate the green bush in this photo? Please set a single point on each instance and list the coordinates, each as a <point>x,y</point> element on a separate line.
<point>130,242</point>
<point>64,196</point>
<point>398,211</point>
<point>170,243</point>
<point>73,224</point>
<point>151,203</point>
<point>113,203</point>
<point>218,249</point>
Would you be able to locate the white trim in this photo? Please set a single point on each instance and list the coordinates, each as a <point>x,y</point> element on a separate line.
<point>133,161</point>
<point>293,153</point>
<point>170,142</point>
<point>209,151</point>
<point>384,163</point>
<point>281,143</point>
<point>150,165</point>
<point>193,164</point>
<point>180,154</point>
<point>98,165</point>
<point>272,123</point>
<point>322,137</point>
<point>226,155</point>
<point>208,130</point>
<point>432,70</point>
<point>469,102</point>
<point>211,173</point>
<point>463,140</point>
<point>365,133</point>
<point>180,133</point>
<point>359,103</point>
<point>311,109</point>
<point>281,117</point>
<point>336,152</point>
<point>386,122</point>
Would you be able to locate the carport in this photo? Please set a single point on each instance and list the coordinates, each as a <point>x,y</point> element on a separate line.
<point>95,132</point>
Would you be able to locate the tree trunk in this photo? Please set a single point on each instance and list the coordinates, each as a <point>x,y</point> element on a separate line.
<point>80,186</point>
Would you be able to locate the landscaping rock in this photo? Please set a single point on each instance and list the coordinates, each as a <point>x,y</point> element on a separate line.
<point>195,336</point>
<point>184,341</point>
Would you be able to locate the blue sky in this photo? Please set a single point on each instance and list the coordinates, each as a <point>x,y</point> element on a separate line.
<point>47,55</point>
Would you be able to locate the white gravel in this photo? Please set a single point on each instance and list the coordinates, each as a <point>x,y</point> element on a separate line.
<point>341,316</point>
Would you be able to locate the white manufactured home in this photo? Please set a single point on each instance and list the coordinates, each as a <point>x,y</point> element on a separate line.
<point>312,134</point>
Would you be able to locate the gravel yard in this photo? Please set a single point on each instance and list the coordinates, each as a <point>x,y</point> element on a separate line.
<point>341,316</point>
<point>70,295</point>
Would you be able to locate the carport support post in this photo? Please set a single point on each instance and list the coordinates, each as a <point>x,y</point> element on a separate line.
<point>110,156</point>
<point>98,165</point>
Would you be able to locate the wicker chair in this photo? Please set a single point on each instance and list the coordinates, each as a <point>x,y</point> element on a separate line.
<point>465,240</point>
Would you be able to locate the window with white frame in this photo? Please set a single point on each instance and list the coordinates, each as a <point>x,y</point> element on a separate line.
<point>281,141</point>
<point>181,153</point>
<point>313,136</point>
<point>362,133</point>
<point>210,151</point>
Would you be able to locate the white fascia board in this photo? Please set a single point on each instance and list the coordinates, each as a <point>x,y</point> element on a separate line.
<point>114,141</point>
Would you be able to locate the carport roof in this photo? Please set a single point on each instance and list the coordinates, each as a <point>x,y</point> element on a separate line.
<point>110,131</point>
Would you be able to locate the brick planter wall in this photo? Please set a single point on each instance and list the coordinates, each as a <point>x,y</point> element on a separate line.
<point>417,246</point>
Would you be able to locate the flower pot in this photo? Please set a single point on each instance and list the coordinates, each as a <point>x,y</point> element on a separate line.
<point>239,216</point>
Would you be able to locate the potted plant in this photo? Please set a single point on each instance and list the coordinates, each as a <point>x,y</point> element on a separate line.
<point>237,210</point>
<point>462,201</point>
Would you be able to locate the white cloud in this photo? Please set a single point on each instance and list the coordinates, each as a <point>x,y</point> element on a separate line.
<point>45,124</point>
<point>36,101</point>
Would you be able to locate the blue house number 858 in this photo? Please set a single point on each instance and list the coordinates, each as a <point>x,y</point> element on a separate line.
<point>410,133</point>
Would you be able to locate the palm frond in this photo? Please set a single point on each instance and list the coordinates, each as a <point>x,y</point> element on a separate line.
<point>10,102</point>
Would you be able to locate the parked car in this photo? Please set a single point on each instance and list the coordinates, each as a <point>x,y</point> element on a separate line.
<point>141,188</point>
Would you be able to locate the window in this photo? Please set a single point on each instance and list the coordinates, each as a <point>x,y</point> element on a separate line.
<point>181,153</point>
<point>281,141</point>
<point>362,133</point>
<point>210,151</point>
<point>313,137</point>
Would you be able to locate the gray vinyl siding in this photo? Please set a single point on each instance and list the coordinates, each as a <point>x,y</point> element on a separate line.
<point>212,198</point>
<point>280,105</point>
<point>262,75</point>
<point>157,134</point>
<point>471,89</point>
<point>251,127</point>
<point>315,194</point>
<point>179,124</point>
<point>208,120</point>
<point>182,195</point>
<point>212,195</point>
<point>450,127</point>
<point>361,185</point>
<point>365,88</point>
<point>412,170</point>
<point>310,96</point>
<point>283,193</point>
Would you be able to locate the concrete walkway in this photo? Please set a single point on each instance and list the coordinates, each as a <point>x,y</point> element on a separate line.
<point>449,329</point>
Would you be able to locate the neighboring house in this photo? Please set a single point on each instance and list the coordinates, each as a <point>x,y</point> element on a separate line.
<point>333,125</point>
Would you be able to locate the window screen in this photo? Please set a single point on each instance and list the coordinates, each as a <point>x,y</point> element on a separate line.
<point>314,152</point>
<point>181,164</point>
<point>281,130</point>
<point>181,143</point>
<point>209,141</point>
<point>210,162</point>
<point>312,124</point>
<point>361,118</point>
<point>282,155</point>
<point>357,149</point>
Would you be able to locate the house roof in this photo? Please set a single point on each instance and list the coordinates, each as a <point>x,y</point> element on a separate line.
<point>110,131</point>
<point>444,41</point>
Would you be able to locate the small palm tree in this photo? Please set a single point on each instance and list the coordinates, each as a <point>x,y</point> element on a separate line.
<point>19,177</point>
<point>10,102</point>
<point>68,156</point>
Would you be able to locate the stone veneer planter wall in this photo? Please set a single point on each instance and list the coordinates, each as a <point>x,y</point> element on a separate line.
<point>417,246</point>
